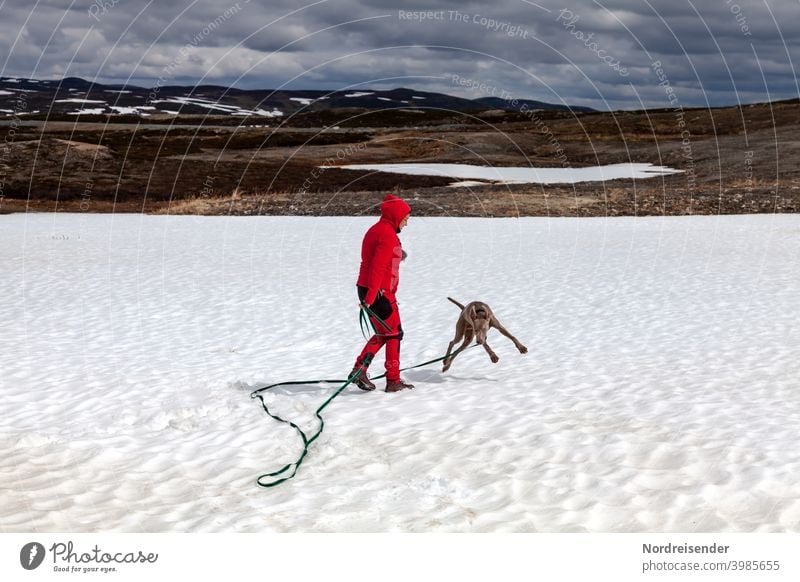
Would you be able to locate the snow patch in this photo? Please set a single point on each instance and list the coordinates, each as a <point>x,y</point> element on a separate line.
<point>467,184</point>
<point>513,175</point>
<point>97,111</point>
<point>76,100</point>
<point>135,110</point>
<point>359,94</point>
<point>264,113</point>
<point>216,106</point>
<point>124,110</point>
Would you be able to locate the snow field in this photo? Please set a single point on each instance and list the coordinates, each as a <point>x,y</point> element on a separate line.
<point>659,392</point>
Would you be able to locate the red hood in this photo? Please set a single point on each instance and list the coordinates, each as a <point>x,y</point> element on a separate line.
<point>394,210</point>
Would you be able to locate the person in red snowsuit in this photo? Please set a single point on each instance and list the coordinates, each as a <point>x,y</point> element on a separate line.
<point>378,278</point>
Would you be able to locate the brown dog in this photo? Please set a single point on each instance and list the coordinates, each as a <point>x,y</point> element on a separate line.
<point>475,320</point>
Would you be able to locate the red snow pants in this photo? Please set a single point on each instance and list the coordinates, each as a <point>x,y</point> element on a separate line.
<point>384,307</point>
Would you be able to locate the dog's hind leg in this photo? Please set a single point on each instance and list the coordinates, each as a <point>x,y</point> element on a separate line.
<point>468,335</point>
<point>459,334</point>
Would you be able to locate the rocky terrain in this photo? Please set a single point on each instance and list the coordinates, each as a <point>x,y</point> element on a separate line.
<point>734,160</point>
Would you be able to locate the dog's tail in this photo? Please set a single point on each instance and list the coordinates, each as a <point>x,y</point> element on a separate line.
<point>456,302</point>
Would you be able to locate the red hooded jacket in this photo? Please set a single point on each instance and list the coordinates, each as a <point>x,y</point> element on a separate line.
<point>381,251</point>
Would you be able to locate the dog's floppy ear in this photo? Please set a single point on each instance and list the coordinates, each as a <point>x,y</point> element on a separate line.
<point>472,313</point>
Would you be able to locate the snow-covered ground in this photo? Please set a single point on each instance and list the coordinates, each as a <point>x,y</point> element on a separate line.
<point>517,175</point>
<point>660,391</point>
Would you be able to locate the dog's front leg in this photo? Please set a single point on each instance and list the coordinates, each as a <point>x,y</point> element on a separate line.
<point>499,327</point>
<point>491,353</point>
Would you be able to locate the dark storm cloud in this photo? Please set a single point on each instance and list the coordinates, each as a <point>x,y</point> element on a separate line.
<point>583,52</point>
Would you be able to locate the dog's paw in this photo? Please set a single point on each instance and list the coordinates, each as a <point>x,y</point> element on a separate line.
<point>494,358</point>
<point>523,350</point>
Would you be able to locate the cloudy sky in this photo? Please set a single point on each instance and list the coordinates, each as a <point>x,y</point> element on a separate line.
<point>609,54</point>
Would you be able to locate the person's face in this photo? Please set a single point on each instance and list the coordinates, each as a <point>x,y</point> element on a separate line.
<point>404,222</point>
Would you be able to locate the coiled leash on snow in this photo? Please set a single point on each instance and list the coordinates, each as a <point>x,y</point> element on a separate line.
<point>279,475</point>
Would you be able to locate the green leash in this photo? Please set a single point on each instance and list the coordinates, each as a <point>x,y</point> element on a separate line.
<point>306,440</point>
<point>366,322</point>
<point>279,476</point>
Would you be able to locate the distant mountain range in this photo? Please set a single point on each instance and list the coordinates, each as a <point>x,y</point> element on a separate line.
<point>77,97</point>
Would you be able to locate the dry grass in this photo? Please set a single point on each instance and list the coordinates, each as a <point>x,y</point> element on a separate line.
<point>264,172</point>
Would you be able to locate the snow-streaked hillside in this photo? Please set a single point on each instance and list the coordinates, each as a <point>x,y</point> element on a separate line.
<point>660,391</point>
